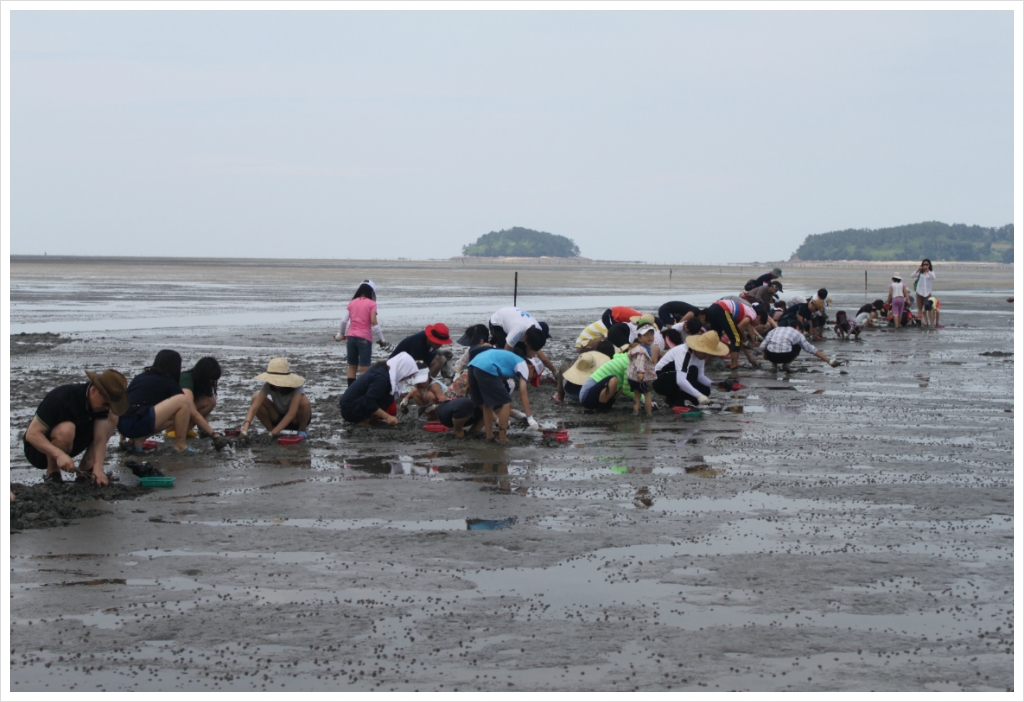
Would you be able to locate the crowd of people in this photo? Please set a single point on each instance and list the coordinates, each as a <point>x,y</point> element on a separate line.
<point>643,356</point>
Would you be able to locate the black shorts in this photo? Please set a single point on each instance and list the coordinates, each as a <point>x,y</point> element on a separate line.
<point>782,357</point>
<point>488,390</point>
<point>638,386</point>
<point>462,408</point>
<point>592,400</point>
<point>572,390</point>
<point>38,458</point>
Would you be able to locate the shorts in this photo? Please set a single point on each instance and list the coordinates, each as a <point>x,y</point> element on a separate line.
<point>38,458</point>
<point>138,422</point>
<point>897,306</point>
<point>463,408</point>
<point>572,390</point>
<point>591,399</point>
<point>488,390</point>
<point>782,356</point>
<point>360,351</point>
<point>639,386</point>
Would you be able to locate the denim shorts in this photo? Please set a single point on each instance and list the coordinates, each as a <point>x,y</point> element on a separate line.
<point>138,422</point>
<point>360,351</point>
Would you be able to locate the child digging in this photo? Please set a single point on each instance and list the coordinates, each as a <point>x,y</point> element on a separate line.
<point>641,369</point>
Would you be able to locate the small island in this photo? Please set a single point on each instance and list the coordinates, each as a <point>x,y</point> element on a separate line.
<point>935,240</point>
<point>520,242</point>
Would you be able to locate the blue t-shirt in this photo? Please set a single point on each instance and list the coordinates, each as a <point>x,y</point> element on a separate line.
<point>501,363</point>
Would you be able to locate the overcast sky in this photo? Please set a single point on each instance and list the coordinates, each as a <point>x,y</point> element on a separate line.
<point>658,136</point>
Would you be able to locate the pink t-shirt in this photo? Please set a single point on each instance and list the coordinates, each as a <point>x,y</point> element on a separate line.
<point>359,311</point>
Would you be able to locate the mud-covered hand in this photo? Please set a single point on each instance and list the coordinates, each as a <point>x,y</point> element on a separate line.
<point>383,344</point>
<point>391,420</point>
<point>340,337</point>
<point>219,442</point>
<point>98,476</point>
<point>833,362</point>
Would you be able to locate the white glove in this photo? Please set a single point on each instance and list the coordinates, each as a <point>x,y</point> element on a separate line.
<point>833,362</point>
<point>338,337</point>
<point>531,421</point>
<point>703,399</point>
<point>378,333</point>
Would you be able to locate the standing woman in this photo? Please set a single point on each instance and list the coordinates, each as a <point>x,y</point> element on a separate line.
<point>358,327</point>
<point>925,278</point>
<point>897,297</point>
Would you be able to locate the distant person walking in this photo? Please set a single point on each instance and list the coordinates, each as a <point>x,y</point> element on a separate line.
<point>924,279</point>
<point>897,297</point>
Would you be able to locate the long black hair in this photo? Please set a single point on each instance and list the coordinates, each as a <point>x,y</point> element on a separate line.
<point>205,374</point>
<point>168,364</point>
<point>364,290</point>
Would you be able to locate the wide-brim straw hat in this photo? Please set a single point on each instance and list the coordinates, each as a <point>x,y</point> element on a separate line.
<point>114,388</point>
<point>642,319</point>
<point>585,366</point>
<point>897,276</point>
<point>707,343</point>
<point>279,373</point>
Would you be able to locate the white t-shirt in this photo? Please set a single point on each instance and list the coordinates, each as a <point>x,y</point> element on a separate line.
<point>924,283</point>
<point>678,354</point>
<point>897,289</point>
<point>863,318</point>
<point>515,322</point>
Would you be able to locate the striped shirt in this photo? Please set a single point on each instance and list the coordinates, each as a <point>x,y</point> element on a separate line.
<point>783,339</point>
<point>597,330</point>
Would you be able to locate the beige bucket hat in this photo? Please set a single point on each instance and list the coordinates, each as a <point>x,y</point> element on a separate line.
<point>585,366</point>
<point>707,343</point>
<point>279,374</point>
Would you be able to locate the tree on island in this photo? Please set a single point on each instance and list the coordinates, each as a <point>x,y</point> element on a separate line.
<point>935,240</point>
<point>522,242</point>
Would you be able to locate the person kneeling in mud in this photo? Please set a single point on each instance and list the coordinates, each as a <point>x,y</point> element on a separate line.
<point>681,377</point>
<point>73,419</point>
<point>200,387</point>
<point>605,384</point>
<point>281,403</point>
<point>487,374</point>
<point>374,394</point>
<point>574,375</point>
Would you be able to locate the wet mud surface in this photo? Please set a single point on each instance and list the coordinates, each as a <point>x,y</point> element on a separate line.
<point>827,529</point>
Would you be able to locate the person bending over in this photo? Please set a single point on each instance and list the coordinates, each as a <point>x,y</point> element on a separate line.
<point>783,344</point>
<point>423,346</point>
<point>74,419</point>
<point>487,374</point>
<point>605,384</point>
<point>281,404</point>
<point>512,325</point>
<point>157,403</point>
<point>199,385</point>
<point>374,394</point>
<point>680,373</point>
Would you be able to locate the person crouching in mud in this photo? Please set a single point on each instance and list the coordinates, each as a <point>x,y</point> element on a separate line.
<point>681,377</point>
<point>73,419</point>
<point>782,345</point>
<point>281,403</point>
<point>574,375</point>
<point>487,374</point>
<point>157,403</point>
<point>511,326</point>
<point>375,393</point>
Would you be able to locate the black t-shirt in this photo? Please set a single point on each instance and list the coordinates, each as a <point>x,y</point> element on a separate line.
<point>677,307</point>
<point>148,389</point>
<point>374,384</point>
<point>69,403</point>
<point>416,346</point>
<point>763,279</point>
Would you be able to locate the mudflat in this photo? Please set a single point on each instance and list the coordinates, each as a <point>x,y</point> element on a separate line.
<point>826,529</point>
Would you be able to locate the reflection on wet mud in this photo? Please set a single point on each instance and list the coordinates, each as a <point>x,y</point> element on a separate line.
<point>98,581</point>
<point>490,524</point>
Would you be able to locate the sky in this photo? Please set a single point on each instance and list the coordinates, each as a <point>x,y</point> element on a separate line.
<point>661,136</point>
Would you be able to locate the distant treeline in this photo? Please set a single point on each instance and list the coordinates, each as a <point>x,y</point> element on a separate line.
<point>519,241</point>
<point>933,240</point>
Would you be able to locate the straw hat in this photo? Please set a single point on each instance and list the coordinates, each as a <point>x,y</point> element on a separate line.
<point>642,319</point>
<point>896,276</point>
<point>585,366</point>
<point>707,343</point>
<point>279,374</point>
<point>114,388</point>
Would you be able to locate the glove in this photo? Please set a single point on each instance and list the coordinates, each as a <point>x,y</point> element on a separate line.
<point>703,399</point>
<point>531,421</point>
<point>833,362</point>
<point>383,345</point>
<point>339,337</point>
<point>404,406</point>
